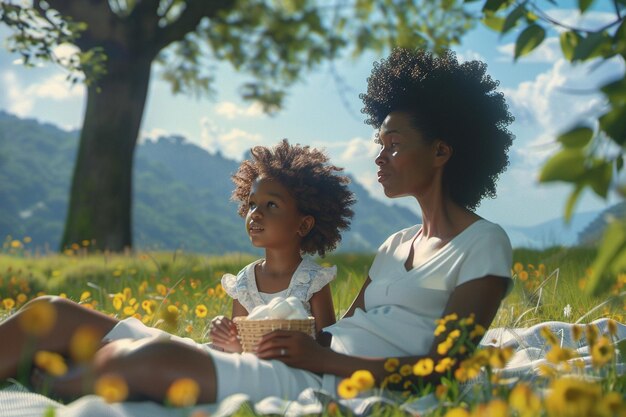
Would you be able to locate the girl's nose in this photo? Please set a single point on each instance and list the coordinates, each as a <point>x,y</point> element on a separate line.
<point>255,212</point>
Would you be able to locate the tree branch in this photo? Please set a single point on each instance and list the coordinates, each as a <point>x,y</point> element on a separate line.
<point>189,19</point>
<point>543,15</point>
<point>92,12</point>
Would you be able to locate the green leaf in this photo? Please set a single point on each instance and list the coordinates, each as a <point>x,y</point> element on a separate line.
<point>613,244</point>
<point>576,137</point>
<point>529,39</point>
<point>513,17</point>
<point>594,45</point>
<point>571,201</point>
<point>493,5</point>
<point>567,165</point>
<point>569,41</point>
<point>613,124</point>
<point>615,91</point>
<point>493,22</point>
<point>583,5</point>
<point>599,177</point>
<point>619,164</point>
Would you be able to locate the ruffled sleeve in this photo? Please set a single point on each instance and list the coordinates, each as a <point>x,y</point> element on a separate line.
<point>323,276</point>
<point>229,283</point>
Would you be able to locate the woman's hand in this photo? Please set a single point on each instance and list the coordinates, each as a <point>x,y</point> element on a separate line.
<point>223,334</point>
<point>295,349</point>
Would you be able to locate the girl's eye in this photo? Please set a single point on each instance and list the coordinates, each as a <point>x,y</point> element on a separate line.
<point>251,205</point>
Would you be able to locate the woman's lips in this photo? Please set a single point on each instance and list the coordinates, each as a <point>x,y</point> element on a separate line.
<point>382,176</point>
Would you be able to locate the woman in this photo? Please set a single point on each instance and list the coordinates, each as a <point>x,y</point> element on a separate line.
<point>442,130</point>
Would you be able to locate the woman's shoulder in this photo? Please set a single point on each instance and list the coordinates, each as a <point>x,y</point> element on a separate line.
<point>483,229</point>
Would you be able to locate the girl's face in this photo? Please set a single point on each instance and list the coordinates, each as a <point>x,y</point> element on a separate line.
<point>273,220</point>
<point>406,162</point>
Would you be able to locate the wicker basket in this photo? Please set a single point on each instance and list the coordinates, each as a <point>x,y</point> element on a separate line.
<point>250,331</point>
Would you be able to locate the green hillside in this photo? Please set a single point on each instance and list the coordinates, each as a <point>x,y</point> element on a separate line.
<point>181,194</point>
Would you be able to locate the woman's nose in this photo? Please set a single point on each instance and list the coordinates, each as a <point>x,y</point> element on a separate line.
<point>380,159</point>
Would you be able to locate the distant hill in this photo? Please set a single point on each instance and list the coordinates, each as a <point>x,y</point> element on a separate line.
<point>181,194</point>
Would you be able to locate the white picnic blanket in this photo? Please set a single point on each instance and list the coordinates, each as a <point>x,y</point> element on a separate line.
<point>528,344</point>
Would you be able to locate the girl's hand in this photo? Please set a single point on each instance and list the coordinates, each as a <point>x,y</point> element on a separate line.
<point>295,349</point>
<point>223,334</point>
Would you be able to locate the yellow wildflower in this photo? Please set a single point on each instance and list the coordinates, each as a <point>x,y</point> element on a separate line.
<point>38,318</point>
<point>52,363</point>
<point>8,303</point>
<point>548,335</point>
<point>495,408</point>
<point>84,343</point>
<point>111,387</point>
<point>478,331</point>
<point>454,334</point>
<point>592,334</point>
<point>21,298</point>
<point>391,364</point>
<point>406,370</point>
<point>440,329</point>
<point>523,400</point>
<point>612,327</point>
<point>523,276</point>
<point>457,412</point>
<point>602,352</point>
<point>16,244</point>
<point>571,396</point>
<point>445,364</point>
<point>394,378</point>
<point>183,392</point>
<point>441,391</point>
<point>118,301</point>
<point>577,332</point>
<point>518,267</point>
<point>148,306</point>
<point>84,296</point>
<point>424,367</point>
<point>451,317</point>
<point>347,389</point>
<point>557,354</point>
<point>201,311</point>
<point>161,289</point>
<point>444,347</point>
<point>363,379</point>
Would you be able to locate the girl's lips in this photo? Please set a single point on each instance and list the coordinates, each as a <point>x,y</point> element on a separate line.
<point>255,229</point>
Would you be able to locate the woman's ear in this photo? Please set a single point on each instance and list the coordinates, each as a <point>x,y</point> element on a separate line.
<point>306,225</point>
<point>443,152</point>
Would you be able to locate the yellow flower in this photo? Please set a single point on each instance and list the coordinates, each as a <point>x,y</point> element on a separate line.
<point>52,363</point>
<point>363,379</point>
<point>161,289</point>
<point>441,391</point>
<point>38,318</point>
<point>16,244</point>
<point>557,354</point>
<point>201,311</point>
<point>523,276</point>
<point>111,387</point>
<point>547,371</point>
<point>451,317</point>
<point>454,334</point>
<point>518,267</point>
<point>406,370</point>
<point>147,306</point>
<point>21,298</point>
<point>391,364</point>
<point>592,334</point>
<point>84,343</point>
<point>424,367</point>
<point>548,335</point>
<point>602,352</point>
<point>440,329</point>
<point>84,296</point>
<point>444,347</point>
<point>394,378</point>
<point>612,327</point>
<point>445,364</point>
<point>347,389</point>
<point>478,331</point>
<point>495,408</point>
<point>183,392</point>
<point>118,301</point>
<point>571,396</point>
<point>457,412</point>
<point>611,405</point>
<point>523,400</point>
<point>577,332</point>
<point>468,369</point>
<point>8,303</point>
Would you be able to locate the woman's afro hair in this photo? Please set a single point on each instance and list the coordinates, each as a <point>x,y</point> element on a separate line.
<point>317,188</point>
<point>455,102</point>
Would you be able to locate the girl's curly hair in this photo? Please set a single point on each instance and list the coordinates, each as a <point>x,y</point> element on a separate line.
<point>317,188</point>
<point>455,102</point>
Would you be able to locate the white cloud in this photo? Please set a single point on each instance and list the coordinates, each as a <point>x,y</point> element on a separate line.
<point>549,52</point>
<point>469,55</point>
<point>152,134</point>
<point>232,144</point>
<point>591,20</point>
<point>18,103</point>
<point>55,87</point>
<point>358,148</point>
<point>231,110</point>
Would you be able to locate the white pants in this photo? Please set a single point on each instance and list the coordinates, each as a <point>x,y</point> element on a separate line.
<point>235,373</point>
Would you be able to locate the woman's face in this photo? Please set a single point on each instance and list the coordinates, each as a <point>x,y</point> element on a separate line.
<point>406,161</point>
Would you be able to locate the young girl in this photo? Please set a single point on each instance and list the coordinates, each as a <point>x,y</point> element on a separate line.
<point>294,204</point>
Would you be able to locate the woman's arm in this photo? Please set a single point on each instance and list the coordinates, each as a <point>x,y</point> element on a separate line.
<point>481,297</point>
<point>359,301</point>
<point>322,308</point>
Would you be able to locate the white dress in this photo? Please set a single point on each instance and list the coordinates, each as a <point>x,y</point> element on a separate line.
<point>307,279</point>
<point>399,317</point>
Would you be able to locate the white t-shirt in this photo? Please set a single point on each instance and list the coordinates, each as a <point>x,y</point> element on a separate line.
<point>401,306</point>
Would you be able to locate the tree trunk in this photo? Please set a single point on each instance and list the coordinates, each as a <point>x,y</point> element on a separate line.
<point>101,194</point>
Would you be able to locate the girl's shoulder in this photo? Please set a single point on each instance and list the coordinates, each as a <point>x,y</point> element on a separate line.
<point>234,285</point>
<point>312,277</point>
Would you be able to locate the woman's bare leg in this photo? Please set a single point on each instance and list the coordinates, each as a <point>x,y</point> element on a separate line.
<point>69,317</point>
<point>148,366</point>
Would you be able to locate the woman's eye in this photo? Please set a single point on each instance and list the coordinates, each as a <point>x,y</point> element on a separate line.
<point>271,204</point>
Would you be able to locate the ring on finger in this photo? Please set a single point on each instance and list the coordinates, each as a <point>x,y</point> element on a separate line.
<point>283,352</point>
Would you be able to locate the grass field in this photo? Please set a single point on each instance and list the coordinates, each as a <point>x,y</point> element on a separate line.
<point>180,292</point>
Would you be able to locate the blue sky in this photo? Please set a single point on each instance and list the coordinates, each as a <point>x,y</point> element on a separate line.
<point>323,112</point>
